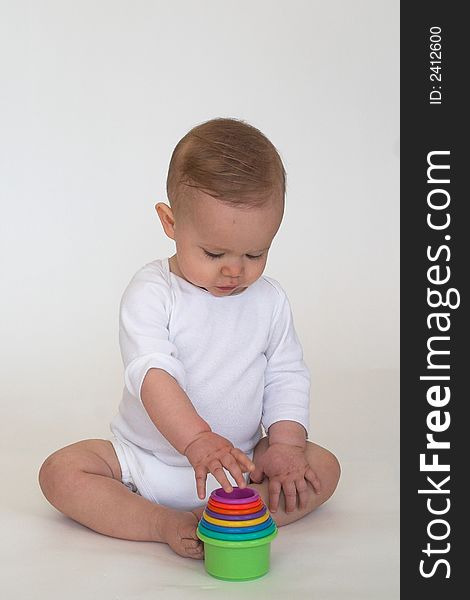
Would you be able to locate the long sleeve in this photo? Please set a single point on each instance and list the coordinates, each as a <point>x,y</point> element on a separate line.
<point>287,379</point>
<point>144,334</point>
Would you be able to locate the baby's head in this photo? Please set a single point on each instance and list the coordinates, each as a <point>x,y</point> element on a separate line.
<point>226,187</point>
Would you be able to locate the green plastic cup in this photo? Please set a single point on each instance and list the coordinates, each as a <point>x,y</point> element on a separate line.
<point>237,561</point>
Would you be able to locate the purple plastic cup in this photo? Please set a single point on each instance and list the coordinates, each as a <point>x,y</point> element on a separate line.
<point>237,496</point>
<point>224,517</point>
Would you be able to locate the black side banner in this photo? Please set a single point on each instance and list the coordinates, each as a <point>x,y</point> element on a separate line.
<point>435,258</point>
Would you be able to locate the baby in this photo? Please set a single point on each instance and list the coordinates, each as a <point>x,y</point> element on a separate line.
<point>211,357</point>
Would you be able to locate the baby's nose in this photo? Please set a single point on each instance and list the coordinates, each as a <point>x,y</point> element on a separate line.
<point>232,270</point>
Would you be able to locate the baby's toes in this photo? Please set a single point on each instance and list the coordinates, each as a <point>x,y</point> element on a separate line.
<point>189,543</point>
<point>194,549</point>
<point>194,544</point>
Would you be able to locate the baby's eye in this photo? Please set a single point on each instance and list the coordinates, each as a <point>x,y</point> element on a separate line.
<point>210,255</point>
<point>250,256</point>
<point>254,257</point>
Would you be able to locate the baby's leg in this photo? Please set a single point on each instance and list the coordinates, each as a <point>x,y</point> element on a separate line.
<point>323,463</point>
<point>83,481</point>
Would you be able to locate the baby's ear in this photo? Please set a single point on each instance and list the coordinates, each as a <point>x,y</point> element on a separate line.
<point>165,214</point>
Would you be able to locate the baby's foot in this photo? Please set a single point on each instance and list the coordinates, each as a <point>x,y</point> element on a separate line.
<point>178,530</point>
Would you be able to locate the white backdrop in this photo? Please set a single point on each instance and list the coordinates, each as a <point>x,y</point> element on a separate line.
<point>95,95</point>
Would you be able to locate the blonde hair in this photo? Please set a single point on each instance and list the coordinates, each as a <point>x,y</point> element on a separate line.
<point>229,160</point>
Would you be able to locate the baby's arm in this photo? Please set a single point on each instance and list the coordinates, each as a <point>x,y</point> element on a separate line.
<point>175,417</point>
<point>171,410</point>
<point>285,413</point>
<point>287,432</point>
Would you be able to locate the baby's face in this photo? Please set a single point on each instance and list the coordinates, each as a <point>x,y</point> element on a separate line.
<point>221,248</point>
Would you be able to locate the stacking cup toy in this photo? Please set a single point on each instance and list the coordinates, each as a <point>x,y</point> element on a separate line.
<point>237,531</point>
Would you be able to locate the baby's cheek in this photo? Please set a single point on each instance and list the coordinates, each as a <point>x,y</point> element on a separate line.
<point>255,272</point>
<point>203,273</point>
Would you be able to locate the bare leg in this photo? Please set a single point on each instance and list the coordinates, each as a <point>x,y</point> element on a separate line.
<point>325,465</point>
<point>83,481</point>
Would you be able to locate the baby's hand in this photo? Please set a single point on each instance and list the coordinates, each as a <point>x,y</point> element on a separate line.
<point>211,453</point>
<point>287,467</point>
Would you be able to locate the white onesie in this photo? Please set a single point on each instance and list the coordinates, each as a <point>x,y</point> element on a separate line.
<point>237,358</point>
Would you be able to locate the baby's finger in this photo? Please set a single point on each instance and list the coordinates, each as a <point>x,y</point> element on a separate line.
<point>290,495</point>
<point>274,488</point>
<point>302,491</point>
<point>219,473</point>
<point>231,465</point>
<point>201,476</point>
<point>312,477</point>
<point>244,461</point>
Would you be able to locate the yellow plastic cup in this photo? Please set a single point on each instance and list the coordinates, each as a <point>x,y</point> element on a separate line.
<point>246,523</point>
